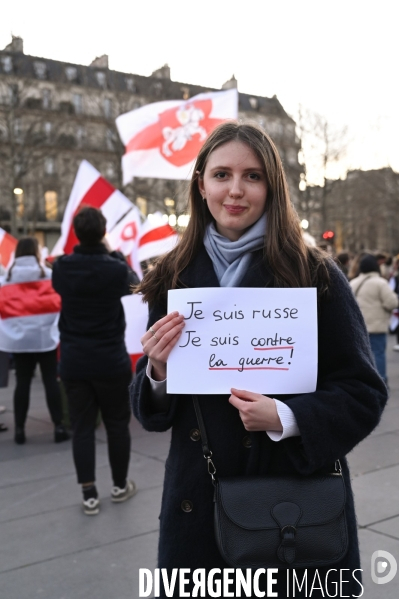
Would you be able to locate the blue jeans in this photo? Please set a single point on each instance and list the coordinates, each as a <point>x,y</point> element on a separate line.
<point>378,342</point>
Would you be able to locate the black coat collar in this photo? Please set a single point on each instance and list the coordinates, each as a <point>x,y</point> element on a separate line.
<point>99,248</point>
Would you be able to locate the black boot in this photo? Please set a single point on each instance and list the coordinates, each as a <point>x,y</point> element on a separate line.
<point>61,434</point>
<point>19,436</point>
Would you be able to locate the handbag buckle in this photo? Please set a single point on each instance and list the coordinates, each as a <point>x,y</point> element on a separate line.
<point>211,466</point>
<point>287,550</point>
<point>288,534</point>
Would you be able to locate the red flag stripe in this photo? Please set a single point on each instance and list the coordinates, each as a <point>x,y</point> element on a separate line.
<point>134,358</point>
<point>7,247</point>
<point>96,196</point>
<point>157,234</point>
<point>28,299</point>
<point>146,138</point>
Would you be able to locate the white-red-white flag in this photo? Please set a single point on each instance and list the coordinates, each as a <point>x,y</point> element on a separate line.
<point>29,314</point>
<point>163,139</point>
<point>125,236</point>
<point>8,243</point>
<point>90,189</point>
<point>156,238</point>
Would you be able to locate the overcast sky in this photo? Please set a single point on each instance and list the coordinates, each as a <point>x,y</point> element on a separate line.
<point>339,58</point>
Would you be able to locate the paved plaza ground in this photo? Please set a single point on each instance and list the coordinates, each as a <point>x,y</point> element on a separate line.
<point>50,550</point>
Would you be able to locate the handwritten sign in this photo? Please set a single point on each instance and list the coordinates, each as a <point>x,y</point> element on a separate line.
<point>261,340</point>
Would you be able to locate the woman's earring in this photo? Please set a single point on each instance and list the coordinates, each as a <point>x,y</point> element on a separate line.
<point>203,199</point>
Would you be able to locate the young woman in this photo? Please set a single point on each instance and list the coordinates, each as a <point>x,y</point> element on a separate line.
<point>244,232</point>
<point>28,329</point>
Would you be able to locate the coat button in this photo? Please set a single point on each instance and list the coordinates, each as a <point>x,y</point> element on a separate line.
<point>247,442</point>
<point>186,506</point>
<point>195,435</point>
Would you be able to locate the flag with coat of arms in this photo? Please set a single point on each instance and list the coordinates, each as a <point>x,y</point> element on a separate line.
<point>162,139</point>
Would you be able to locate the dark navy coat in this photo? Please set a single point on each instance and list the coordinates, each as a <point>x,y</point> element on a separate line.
<point>91,282</point>
<point>344,409</point>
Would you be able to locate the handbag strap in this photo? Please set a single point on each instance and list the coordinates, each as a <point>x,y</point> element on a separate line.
<point>356,291</point>
<point>204,440</point>
<point>206,449</point>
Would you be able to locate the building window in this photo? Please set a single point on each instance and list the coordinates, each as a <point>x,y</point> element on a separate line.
<point>40,69</point>
<point>157,87</point>
<point>47,128</point>
<point>109,139</point>
<point>13,92</point>
<point>6,62</point>
<point>77,102</point>
<point>71,73</point>
<point>46,98</point>
<point>107,106</point>
<point>110,170</point>
<point>101,78</point>
<point>253,103</point>
<point>18,169</point>
<point>80,136</point>
<point>130,84</point>
<point>51,205</point>
<point>141,204</point>
<point>17,129</point>
<point>49,166</point>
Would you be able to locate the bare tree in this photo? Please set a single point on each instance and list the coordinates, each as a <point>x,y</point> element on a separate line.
<point>25,142</point>
<point>324,147</point>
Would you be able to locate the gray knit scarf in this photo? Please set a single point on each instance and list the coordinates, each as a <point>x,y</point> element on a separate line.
<point>231,258</point>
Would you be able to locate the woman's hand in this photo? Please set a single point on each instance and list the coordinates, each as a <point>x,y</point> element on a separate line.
<point>257,412</point>
<point>159,341</point>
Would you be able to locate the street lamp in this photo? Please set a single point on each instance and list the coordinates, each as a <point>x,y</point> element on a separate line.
<point>304,224</point>
<point>19,200</point>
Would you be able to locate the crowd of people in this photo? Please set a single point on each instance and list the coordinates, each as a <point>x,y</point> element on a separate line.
<point>243,232</point>
<point>374,279</point>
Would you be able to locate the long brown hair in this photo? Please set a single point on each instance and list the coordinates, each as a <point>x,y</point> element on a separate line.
<point>27,246</point>
<point>293,263</point>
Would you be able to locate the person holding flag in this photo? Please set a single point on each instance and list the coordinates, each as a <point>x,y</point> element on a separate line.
<point>29,311</point>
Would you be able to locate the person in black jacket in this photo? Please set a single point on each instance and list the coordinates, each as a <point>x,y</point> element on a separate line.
<point>95,366</point>
<point>244,232</point>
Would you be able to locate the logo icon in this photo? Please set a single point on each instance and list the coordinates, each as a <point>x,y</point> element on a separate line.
<point>176,138</point>
<point>383,567</point>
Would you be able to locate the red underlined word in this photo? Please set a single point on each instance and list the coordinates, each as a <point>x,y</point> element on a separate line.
<point>251,368</point>
<point>266,348</point>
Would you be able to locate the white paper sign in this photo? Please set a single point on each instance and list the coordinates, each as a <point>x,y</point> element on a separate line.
<point>261,340</point>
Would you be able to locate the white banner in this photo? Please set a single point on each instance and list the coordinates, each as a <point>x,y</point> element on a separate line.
<point>260,340</point>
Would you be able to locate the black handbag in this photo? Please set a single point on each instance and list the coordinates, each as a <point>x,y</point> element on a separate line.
<point>289,521</point>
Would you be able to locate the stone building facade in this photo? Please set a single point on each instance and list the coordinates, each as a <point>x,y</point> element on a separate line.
<point>55,114</point>
<point>362,210</point>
